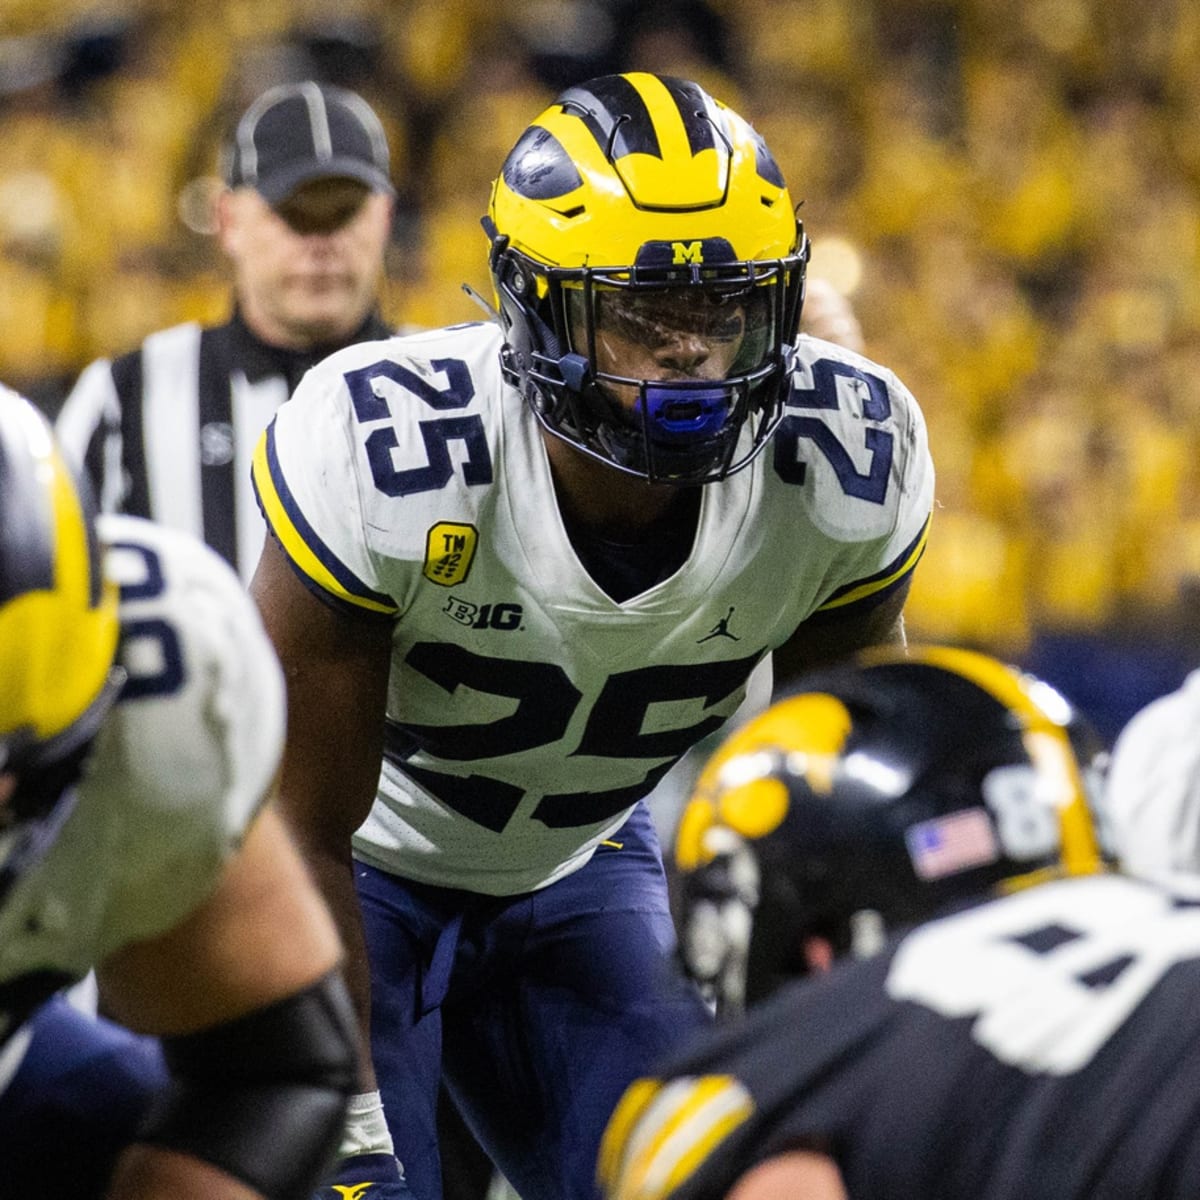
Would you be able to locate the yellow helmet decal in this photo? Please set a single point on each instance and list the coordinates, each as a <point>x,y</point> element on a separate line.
<point>739,788</point>
<point>678,176</point>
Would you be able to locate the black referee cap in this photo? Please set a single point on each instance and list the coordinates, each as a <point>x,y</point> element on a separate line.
<point>298,132</point>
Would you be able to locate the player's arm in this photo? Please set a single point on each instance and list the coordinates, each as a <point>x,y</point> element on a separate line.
<point>825,638</point>
<point>336,668</point>
<point>798,1175</point>
<point>256,1029</point>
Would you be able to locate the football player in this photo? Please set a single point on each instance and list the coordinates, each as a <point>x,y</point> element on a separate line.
<point>519,567</point>
<point>1152,793</point>
<point>993,1014</point>
<point>141,723</point>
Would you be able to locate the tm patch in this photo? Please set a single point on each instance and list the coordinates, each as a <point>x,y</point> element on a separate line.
<point>449,552</point>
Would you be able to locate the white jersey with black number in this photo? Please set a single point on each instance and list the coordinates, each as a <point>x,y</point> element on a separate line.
<point>527,710</point>
<point>178,771</point>
<point>1152,793</point>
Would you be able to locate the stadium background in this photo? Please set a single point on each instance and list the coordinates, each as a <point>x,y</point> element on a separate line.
<point>1009,190</point>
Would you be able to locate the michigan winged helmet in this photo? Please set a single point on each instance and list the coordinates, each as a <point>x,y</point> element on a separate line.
<point>58,634</point>
<point>638,207</point>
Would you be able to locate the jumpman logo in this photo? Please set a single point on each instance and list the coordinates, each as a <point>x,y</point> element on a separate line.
<point>720,629</point>
<point>354,1192</point>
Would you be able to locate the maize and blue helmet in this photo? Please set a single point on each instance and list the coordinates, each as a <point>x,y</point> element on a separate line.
<point>58,635</point>
<point>635,210</point>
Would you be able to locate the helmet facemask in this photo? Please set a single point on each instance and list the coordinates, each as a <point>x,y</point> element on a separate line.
<point>721,336</point>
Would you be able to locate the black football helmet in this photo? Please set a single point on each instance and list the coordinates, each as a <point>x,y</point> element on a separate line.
<point>58,635</point>
<point>877,794</point>
<point>639,211</point>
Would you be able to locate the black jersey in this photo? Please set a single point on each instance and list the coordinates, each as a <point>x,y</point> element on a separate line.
<point>1043,1045</point>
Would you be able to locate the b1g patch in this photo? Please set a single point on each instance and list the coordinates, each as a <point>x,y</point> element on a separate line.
<point>449,552</point>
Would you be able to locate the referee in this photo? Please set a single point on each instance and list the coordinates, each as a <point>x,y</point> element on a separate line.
<point>167,431</point>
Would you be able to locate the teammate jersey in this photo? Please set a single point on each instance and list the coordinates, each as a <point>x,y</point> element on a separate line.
<point>527,710</point>
<point>178,770</point>
<point>1152,793</point>
<point>1046,1045</point>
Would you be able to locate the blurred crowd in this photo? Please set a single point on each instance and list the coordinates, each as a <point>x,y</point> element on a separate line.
<point>1008,190</point>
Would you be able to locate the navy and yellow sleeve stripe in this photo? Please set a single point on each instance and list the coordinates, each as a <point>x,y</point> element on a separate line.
<point>314,561</point>
<point>866,593</point>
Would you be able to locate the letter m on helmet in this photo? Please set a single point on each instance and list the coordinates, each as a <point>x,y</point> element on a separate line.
<point>687,252</point>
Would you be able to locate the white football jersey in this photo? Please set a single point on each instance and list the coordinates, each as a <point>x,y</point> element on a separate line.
<point>527,710</point>
<point>1152,793</point>
<point>179,768</point>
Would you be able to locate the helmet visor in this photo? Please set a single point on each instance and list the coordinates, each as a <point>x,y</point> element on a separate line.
<point>693,332</point>
<point>674,369</point>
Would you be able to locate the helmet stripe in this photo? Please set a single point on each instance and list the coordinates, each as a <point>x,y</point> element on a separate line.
<point>627,113</point>
<point>615,115</point>
<point>699,114</point>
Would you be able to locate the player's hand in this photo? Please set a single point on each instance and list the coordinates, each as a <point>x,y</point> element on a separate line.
<point>367,1177</point>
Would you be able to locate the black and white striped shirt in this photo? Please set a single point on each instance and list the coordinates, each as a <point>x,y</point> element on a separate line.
<point>168,430</point>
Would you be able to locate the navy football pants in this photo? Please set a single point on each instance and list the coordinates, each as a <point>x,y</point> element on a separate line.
<point>75,1102</point>
<point>539,1008</point>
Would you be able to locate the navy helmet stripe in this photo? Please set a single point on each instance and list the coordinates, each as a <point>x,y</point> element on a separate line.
<point>618,118</point>
<point>764,160</point>
<point>616,115</point>
<point>694,112</point>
